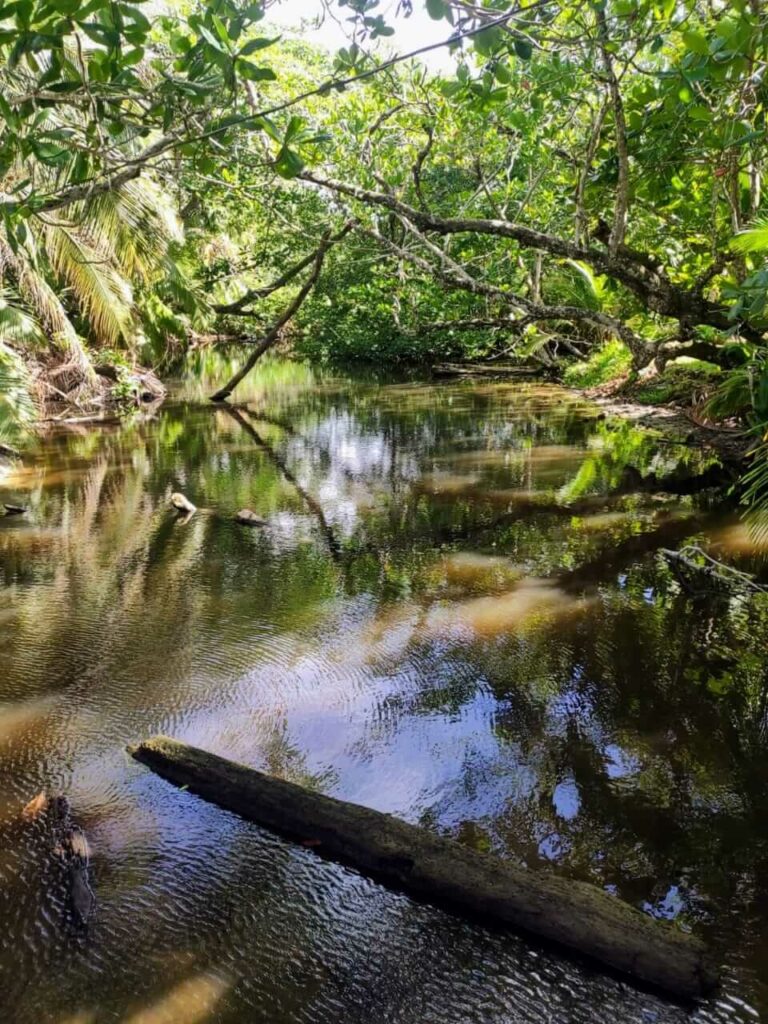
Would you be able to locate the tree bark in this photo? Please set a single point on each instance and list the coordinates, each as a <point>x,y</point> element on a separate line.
<point>621,206</point>
<point>573,914</point>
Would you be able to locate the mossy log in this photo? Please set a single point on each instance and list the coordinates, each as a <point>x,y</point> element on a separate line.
<point>575,915</point>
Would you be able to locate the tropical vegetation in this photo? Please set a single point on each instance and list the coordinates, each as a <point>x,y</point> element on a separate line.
<point>583,192</point>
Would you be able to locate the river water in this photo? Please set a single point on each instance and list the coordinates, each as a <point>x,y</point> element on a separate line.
<point>457,614</point>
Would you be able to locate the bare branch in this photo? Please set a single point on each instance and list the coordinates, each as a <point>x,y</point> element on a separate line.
<point>274,332</point>
<point>254,294</point>
<point>638,272</point>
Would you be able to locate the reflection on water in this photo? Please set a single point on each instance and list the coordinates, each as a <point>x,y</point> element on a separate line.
<point>455,614</point>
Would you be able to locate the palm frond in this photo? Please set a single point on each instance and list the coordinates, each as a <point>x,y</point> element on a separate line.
<point>16,324</point>
<point>102,294</point>
<point>575,284</point>
<point>752,240</point>
<point>17,409</point>
<point>137,224</point>
<point>38,295</point>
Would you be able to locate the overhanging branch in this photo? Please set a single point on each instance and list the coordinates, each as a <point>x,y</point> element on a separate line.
<point>274,332</point>
<point>255,294</point>
<point>636,271</point>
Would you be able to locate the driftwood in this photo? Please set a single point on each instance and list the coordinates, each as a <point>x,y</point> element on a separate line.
<point>573,914</point>
<point>182,504</point>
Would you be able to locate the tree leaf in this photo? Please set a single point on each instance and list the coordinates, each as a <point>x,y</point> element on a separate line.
<point>437,9</point>
<point>260,43</point>
<point>523,49</point>
<point>288,163</point>
<point>696,42</point>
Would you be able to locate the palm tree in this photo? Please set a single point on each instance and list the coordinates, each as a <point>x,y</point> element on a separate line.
<point>16,406</point>
<point>78,272</point>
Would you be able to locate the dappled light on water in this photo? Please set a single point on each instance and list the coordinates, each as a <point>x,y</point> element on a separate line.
<point>190,1002</point>
<point>500,614</point>
<point>457,613</point>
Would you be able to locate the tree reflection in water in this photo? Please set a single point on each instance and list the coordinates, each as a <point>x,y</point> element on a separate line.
<point>455,614</point>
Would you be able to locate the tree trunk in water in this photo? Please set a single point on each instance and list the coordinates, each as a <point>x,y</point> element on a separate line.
<point>273,334</point>
<point>573,914</point>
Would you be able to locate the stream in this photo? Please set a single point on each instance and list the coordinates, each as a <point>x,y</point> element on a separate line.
<point>456,613</point>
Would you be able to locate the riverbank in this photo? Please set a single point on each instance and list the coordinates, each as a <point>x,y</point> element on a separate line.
<point>622,398</point>
<point>675,420</point>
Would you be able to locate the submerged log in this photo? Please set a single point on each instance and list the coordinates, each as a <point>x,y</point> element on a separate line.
<point>245,517</point>
<point>570,913</point>
<point>69,846</point>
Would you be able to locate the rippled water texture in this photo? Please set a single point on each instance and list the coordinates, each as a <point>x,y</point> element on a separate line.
<point>455,614</point>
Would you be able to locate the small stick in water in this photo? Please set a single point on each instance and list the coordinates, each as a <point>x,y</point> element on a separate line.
<point>245,517</point>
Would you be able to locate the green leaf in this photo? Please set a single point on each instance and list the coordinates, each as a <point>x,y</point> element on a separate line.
<point>65,7</point>
<point>138,20</point>
<point>253,72</point>
<point>7,112</point>
<point>753,240</point>
<point>523,49</point>
<point>502,73</point>
<point>210,38</point>
<point>437,9</point>
<point>294,128</point>
<point>288,163</point>
<point>253,45</point>
<point>696,42</point>
<point>487,41</point>
<point>700,113</point>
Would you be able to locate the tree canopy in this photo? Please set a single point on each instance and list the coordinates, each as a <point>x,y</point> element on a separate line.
<point>589,174</point>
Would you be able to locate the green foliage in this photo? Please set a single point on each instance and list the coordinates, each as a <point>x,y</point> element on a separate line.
<point>611,362</point>
<point>17,410</point>
<point>681,383</point>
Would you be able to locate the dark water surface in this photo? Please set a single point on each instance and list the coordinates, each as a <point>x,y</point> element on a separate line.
<point>456,614</point>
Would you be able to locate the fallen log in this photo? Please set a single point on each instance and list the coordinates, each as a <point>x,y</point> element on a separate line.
<point>572,914</point>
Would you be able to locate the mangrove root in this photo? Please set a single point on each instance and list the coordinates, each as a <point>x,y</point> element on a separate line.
<point>573,914</point>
